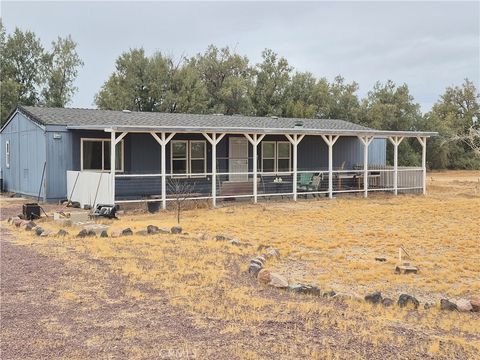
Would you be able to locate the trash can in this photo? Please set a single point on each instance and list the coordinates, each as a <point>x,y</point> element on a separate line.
<point>153,206</point>
<point>31,211</point>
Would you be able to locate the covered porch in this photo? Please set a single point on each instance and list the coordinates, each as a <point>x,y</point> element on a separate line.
<point>162,165</point>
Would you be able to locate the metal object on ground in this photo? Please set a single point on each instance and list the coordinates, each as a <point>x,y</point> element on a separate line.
<point>31,211</point>
<point>108,211</point>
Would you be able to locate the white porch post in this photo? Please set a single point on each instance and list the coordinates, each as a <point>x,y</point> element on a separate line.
<point>423,142</point>
<point>330,140</point>
<point>214,140</point>
<point>366,141</point>
<point>395,140</point>
<point>163,141</point>
<point>295,140</point>
<point>255,139</point>
<point>112,164</point>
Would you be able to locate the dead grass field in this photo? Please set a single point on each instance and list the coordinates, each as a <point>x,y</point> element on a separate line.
<point>328,243</point>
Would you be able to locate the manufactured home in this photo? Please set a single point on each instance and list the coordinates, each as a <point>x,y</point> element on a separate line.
<point>101,156</point>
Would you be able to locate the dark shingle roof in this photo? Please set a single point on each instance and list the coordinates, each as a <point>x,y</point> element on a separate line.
<point>108,118</point>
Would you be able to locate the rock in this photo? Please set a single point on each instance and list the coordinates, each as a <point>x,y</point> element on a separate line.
<point>152,229</point>
<point>263,276</point>
<point>116,233</point>
<point>464,305</point>
<point>447,305</point>
<point>475,302</point>
<point>257,262</point>
<point>374,298</point>
<point>254,269</point>
<point>62,232</point>
<point>127,232</point>
<point>304,289</point>
<point>428,305</point>
<point>17,222</point>
<point>74,204</point>
<point>387,302</point>
<point>21,216</point>
<point>273,252</point>
<point>83,233</point>
<point>30,225</point>
<point>203,236</point>
<point>46,233</point>
<point>176,230</point>
<point>87,207</point>
<point>38,231</point>
<point>406,269</point>
<point>221,238</point>
<point>262,246</point>
<point>164,231</point>
<point>143,232</point>
<point>104,234</point>
<point>91,233</point>
<point>234,242</point>
<point>404,300</point>
<point>381,259</point>
<point>330,293</point>
<point>278,281</point>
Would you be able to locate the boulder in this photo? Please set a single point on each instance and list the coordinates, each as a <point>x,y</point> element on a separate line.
<point>234,242</point>
<point>116,233</point>
<point>278,281</point>
<point>304,289</point>
<point>256,261</point>
<point>374,298</point>
<point>475,302</point>
<point>263,276</point>
<point>254,269</point>
<point>176,230</point>
<point>406,300</point>
<point>38,231</point>
<point>127,232</point>
<point>91,233</point>
<point>143,232</point>
<point>330,293</point>
<point>83,233</point>
<point>62,232</point>
<point>152,229</point>
<point>446,304</point>
<point>104,234</point>
<point>273,252</point>
<point>17,222</point>
<point>30,225</point>
<point>46,233</point>
<point>464,305</point>
<point>387,302</point>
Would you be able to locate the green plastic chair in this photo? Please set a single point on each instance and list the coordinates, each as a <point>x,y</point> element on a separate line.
<point>304,181</point>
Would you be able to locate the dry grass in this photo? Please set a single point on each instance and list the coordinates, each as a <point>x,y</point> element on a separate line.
<point>329,243</point>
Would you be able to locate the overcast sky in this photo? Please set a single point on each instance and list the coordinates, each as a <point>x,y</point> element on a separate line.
<point>428,45</point>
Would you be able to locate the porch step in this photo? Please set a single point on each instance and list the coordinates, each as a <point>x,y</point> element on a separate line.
<point>229,188</point>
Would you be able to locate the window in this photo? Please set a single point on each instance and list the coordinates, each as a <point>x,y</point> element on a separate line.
<point>189,157</point>
<point>95,155</point>
<point>7,154</point>
<point>276,156</point>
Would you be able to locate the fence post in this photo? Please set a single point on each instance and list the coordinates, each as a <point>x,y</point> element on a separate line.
<point>295,140</point>
<point>330,140</point>
<point>395,140</point>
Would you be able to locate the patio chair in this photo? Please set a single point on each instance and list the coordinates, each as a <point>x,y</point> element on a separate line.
<point>304,182</point>
<point>315,184</point>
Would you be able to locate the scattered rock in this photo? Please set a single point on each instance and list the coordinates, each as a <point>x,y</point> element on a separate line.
<point>330,293</point>
<point>17,222</point>
<point>387,302</point>
<point>447,305</point>
<point>257,262</point>
<point>262,246</point>
<point>381,259</point>
<point>87,207</point>
<point>428,305</point>
<point>475,302</point>
<point>83,233</point>
<point>176,230</point>
<point>152,229</point>
<point>74,204</point>
<point>127,232</point>
<point>278,281</point>
<point>464,305</point>
<point>404,300</point>
<point>273,252</point>
<point>91,233</point>
<point>30,225</point>
<point>104,234</point>
<point>46,233</point>
<point>406,269</point>
<point>221,238</point>
<point>374,298</point>
<point>62,232</point>
<point>254,269</point>
<point>263,276</point>
<point>143,232</point>
<point>304,289</point>
<point>234,242</point>
<point>203,236</point>
<point>38,231</point>
<point>116,233</point>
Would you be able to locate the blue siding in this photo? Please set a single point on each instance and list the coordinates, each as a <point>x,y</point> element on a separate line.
<point>27,156</point>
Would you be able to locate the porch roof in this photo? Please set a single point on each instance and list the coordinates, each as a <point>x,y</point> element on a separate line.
<point>124,121</point>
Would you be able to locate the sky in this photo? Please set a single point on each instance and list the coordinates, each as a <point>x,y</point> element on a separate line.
<point>428,45</point>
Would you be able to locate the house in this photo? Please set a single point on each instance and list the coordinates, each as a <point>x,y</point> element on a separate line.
<point>60,153</point>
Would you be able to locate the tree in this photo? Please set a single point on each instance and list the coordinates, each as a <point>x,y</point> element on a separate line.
<point>272,78</point>
<point>61,71</point>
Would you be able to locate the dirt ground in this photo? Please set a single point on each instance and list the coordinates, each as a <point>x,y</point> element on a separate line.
<point>178,297</point>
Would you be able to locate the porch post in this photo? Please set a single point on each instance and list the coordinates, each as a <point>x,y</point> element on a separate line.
<point>423,142</point>
<point>255,140</point>
<point>214,140</point>
<point>395,140</point>
<point>295,141</point>
<point>113,142</point>
<point>330,140</point>
<point>163,141</point>
<point>366,141</point>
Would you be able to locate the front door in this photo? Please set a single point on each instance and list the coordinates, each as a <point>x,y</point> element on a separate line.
<point>238,159</point>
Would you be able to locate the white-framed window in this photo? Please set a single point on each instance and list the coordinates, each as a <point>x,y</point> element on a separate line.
<point>276,156</point>
<point>7,154</point>
<point>95,155</point>
<point>188,157</point>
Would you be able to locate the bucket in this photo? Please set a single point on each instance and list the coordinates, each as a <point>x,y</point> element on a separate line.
<point>31,211</point>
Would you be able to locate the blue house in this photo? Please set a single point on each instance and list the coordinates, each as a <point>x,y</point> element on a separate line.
<point>61,153</point>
